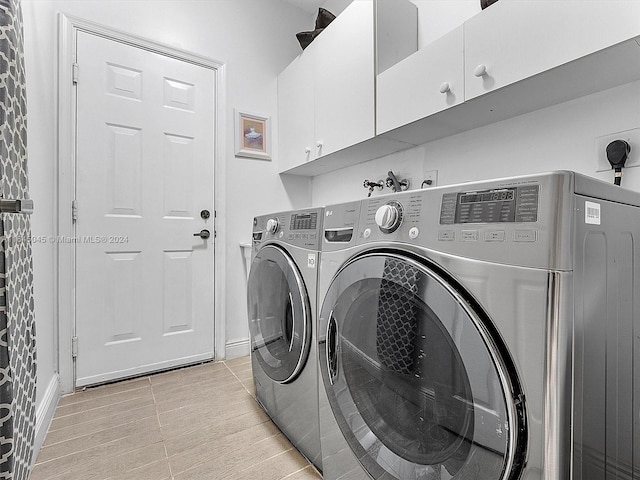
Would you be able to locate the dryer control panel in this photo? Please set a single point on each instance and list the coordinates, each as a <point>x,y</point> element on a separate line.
<point>301,228</point>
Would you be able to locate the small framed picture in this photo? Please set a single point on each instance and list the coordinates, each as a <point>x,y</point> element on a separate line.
<point>253,136</point>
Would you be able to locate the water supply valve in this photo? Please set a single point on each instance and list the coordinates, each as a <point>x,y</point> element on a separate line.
<point>371,185</point>
<point>396,185</point>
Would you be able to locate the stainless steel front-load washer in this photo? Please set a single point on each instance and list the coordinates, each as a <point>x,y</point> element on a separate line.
<point>282,322</point>
<point>488,330</point>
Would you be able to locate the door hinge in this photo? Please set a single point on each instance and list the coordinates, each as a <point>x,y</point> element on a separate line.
<point>74,211</point>
<point>75,73</point>
<point>74,347</point>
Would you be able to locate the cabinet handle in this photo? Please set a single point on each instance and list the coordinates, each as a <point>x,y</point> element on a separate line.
<point>319,144</point>
<point>480,71</point>
<point>445,87</point>
<point>307,150</point>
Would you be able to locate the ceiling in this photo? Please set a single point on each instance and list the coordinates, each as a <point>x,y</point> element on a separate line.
<point>310,6</point>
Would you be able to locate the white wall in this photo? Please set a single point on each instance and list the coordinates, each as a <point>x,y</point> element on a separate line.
<point>561,137</point>
<point>253,38</point>
<point>437,17</point>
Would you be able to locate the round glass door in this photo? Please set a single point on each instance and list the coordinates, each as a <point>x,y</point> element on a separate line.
<point>414,378</point>
<point>279,314</point>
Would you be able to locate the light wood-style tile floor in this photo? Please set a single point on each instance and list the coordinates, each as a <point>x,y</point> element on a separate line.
<point>196,423</point>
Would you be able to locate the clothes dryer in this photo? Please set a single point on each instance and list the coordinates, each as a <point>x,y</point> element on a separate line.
<point>482,331</point>
<point>282,322</point>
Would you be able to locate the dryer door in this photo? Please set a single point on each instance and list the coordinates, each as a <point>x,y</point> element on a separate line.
<point>414,378</point>
<point>279,314</point>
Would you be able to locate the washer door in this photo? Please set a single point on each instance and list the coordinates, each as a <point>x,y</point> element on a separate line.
<point>279,314</point>
<point>414,377</point>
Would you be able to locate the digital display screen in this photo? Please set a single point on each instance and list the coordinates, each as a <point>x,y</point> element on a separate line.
<point>502,205</point>
<point>492,196</point>
<point>304,221</point>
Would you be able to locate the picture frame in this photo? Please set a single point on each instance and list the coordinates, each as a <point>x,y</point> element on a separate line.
<point>252,135</point>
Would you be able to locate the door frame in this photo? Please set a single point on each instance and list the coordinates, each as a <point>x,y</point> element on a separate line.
<point>65,173</point>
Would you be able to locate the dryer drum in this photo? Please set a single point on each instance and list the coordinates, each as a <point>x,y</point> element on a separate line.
<point>278,315</point>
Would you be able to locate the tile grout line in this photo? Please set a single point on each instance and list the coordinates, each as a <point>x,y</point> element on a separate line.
<point>110,405</point>
<point>292,449</point>
<point>50,445</point>
<point>298,471</point>
<point>237,378</point>
<point>164,444</point>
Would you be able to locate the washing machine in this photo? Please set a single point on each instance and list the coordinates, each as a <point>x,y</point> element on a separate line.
<point>488,330</point>
<point>281,300</point>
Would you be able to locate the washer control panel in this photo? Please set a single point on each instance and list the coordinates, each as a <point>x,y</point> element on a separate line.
<point>513,220</point>
<point>438,217</point>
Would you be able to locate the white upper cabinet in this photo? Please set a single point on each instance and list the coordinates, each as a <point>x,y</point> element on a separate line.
<point>345,79</point>
<point>296,111</point>
<point>516,39</point>
<point>326,96</point>
<point>514,57</point>
<point>361,90</point>
<point>427,82</point>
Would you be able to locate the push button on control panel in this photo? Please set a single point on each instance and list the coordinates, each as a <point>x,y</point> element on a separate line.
<point>494,236</point>
<point>446,235</point>
<point>469,235</point>
<point>525,235</point>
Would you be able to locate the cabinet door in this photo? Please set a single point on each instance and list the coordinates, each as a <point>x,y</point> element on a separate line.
<point>296,113</point>
<point>516,39</point>
<point>427,82</point>
<point>344,83</point>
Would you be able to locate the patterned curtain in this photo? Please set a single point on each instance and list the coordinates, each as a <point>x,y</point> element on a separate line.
<point>17,328</point>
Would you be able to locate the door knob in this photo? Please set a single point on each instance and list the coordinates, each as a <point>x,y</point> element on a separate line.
<point>203,234</point>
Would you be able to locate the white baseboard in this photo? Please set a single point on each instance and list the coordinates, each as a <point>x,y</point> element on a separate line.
<point>237,348</point>
<point>44,414</point>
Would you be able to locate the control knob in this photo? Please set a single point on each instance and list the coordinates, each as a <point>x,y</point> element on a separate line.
<point>272,225</point>
<point>389,217</point>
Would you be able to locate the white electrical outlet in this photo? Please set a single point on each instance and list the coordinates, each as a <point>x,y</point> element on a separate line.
<point>632,137</point>
<point>429,175</point>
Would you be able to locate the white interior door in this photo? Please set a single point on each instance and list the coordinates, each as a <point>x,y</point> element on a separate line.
<point>145,152</point>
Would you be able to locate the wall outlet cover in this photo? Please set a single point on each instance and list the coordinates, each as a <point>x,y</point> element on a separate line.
<point>429,175</point>
<point>632,137</point>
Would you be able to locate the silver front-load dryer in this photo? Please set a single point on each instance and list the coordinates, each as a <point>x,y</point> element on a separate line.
<point>482,331</point>
<point>282,322</point>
